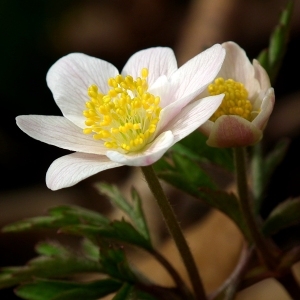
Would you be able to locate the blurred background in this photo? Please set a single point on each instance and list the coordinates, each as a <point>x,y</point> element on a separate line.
<point>35,33</point>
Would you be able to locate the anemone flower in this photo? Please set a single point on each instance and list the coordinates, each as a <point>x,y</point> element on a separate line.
<point>133,118</point>
<point>247,104</point>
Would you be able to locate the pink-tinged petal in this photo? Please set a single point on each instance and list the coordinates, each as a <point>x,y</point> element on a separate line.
<point>262,76</point>
<point>159,61</point>
<point>148,156</point>
<point>69,79</point>
<point>195,75</point>
<point>233,131</point>
<point>193,116</point>
<point>68,170</point>
<point>60,132</point>
<point>265,110</point>
<point>238,67</point>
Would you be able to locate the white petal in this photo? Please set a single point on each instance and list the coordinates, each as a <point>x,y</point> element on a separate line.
<point>262,76</point>
<point>161,88</point>
<point>70,169</point>
<point>69,79</point>
<point>193,116</point>
<point>238,67</point>
<point>195,75</point>
<point>159,61</point>
<point>150,155</point>
<point>266,109</point>
<point>60,132</point>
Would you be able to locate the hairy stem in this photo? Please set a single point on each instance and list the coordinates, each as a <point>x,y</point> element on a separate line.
<point>175,231</point>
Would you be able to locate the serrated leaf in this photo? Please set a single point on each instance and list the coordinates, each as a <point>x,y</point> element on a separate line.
<point>194,146</point>
<point>90,250</point>
<point>134,211</point>
<point>50,249</point>
<point>284,215</point>
<point>47,267</point>
<point>121,231</point>
<point>114,262</point>
<point>58,217</point>
<point>63,290</point>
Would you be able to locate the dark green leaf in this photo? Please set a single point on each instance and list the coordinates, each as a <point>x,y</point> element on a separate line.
<point>271,59</point>
<point>60,265</point>
<point>121,231</point>
<point>58,217</point>
<point>63,290</point>
<point>134,211</point>
<point>50,249</point>
<point>194,146</point>
<point>114,262</point>
<point>284,215</point>
<point>90,250</point>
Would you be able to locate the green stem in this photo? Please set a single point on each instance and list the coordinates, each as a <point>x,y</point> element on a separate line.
<point>264,249</point>
<point>175,231</point>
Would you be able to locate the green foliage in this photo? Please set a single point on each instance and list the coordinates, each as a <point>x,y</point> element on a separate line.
<point>41,289</point>
<point>134,210</point>
<point>55,261</point>
<point>271,58</point>
<point>58,217</point>
<point>286,214</point>
<point>129,292</point>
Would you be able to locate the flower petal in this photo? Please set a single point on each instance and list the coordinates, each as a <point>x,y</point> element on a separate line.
<point>193,116</point>
<point>148,156</point>
<point>266,109</point>
<point>238,67</point>
<point>69,79</point>
<point>262,76</point>
<point>68,170</point>
<point>60,132</point>
<point>233,131</point>
<point>159,61</point>
<point>195,75</point>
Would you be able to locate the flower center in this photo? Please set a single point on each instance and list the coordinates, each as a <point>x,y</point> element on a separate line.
<point>235,101</point>
<point>126,117</point>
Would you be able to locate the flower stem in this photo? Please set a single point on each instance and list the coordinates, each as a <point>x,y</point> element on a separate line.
<point>264,249</point>
<point>175,231</point>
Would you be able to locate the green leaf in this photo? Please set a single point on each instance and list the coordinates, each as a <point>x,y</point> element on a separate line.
<point>90,250</point>
<point>51,248</point>
<point>134,210</point>
<point>121,231</point>
<point>286,214</point>
<point>114,262</point>
<point>42,289</point>
<point>271,59</point>
<point>58,217</point>
<point>57,262</point>
<point>194,147</point>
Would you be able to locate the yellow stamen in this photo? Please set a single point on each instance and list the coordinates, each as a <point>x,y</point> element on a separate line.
<point>126,117</point>
<point>235,101</point>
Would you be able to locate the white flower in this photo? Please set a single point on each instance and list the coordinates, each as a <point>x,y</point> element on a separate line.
<point>247,105</point>
<point>111,120</point>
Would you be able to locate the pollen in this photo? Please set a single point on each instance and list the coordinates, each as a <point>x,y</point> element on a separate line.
<point>235,101</point>
<point>125,118</point>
